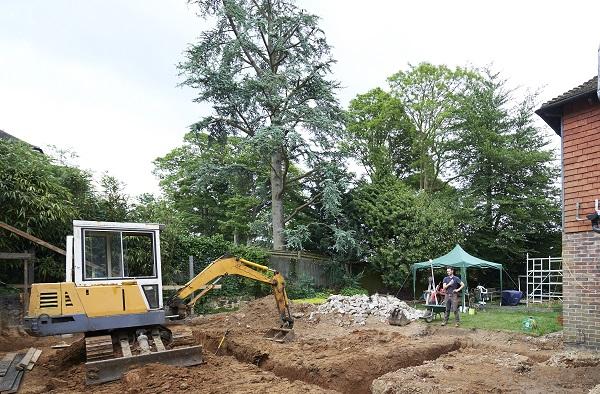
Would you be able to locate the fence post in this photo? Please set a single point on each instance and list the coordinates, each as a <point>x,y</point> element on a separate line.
<point>191,266</point>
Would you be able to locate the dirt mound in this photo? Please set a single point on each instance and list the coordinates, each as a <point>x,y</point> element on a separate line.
<point>258,314</point>
<point>13,339</point>
<point>469,370</point>
<point>574,358</point>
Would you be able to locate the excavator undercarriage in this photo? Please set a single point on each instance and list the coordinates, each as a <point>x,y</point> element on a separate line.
<point>108,355</point>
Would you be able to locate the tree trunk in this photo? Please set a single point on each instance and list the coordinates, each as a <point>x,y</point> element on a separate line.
<point>277,200</point>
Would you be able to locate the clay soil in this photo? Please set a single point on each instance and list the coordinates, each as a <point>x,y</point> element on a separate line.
<point>328,358</point>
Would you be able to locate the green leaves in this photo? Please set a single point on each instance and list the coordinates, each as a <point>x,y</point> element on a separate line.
<point>263,66</point>
<point>399,226</point>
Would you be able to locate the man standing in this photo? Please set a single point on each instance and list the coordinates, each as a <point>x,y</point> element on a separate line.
<point>453,285</point>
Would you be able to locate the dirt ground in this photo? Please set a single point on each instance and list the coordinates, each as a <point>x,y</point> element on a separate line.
<point>328,358</point>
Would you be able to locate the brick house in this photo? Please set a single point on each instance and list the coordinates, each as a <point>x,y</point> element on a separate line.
<point>575,116</point>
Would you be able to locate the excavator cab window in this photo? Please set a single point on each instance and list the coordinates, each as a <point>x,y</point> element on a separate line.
<point>138,255</point>
<point>118,254</point>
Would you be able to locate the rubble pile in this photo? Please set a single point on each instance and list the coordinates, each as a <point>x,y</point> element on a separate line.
<point>354,310</point>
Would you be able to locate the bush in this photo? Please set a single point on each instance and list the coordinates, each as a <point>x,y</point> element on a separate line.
<point>302,287</point>
<point>350,291</point>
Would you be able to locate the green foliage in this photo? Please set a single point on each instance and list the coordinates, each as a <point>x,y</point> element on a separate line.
<point>31,195</point>
<point>301,287</point>
<point>474,148</point>
<point>350,291</point>
<point>380,135</point>
<point>508,175</point>
<point>40,198</point>
<point>263,66</point>
<point>399,226</point>
<point>113,202</point>
<point>216,186</point>
<point>431,96</point>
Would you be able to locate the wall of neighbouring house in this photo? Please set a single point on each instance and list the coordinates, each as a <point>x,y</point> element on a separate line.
<point>11,310</point>
<point>581,246</point>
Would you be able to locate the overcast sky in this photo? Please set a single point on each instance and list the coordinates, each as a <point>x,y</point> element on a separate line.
<point>99,77</point>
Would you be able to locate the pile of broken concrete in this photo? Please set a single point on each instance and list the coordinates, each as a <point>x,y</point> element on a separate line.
<point>354,310</point>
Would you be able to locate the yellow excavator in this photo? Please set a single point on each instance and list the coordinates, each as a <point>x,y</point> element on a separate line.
<point>113,294</point>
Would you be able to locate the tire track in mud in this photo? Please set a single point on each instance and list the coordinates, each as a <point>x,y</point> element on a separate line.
<point>349,370</point>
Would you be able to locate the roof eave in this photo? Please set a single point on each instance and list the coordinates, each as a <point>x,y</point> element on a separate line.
<point>552,114</point>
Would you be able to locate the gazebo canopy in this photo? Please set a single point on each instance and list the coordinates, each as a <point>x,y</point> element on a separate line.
<point>456,258</point>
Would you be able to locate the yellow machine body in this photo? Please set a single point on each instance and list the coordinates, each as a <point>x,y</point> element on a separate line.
<point>60,299</point>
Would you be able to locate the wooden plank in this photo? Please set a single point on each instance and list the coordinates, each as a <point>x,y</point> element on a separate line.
<point>32,238</point>
<point>11,374</point>
<point>5,363</point>
<point>25,360</point>
<point>34,359</point>
<point>16,256</point>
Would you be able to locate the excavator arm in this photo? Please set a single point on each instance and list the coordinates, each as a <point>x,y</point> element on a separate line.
<point>226,265</point>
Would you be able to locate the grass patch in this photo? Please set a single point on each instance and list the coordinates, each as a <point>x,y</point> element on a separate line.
<point>319,298</point>
<point>510,319</point>
<point>313,300</point>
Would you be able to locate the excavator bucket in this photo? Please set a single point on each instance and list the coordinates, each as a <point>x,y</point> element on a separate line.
<point>280,335</point>
<point>112,369</point>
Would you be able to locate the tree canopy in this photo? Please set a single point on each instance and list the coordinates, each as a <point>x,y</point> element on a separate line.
<point>263,66</point>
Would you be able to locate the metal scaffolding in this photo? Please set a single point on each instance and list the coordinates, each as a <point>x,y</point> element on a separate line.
<point>544,279</point>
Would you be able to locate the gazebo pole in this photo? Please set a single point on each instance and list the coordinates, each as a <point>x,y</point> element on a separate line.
<point>501,269</point>
<point>463,272</point>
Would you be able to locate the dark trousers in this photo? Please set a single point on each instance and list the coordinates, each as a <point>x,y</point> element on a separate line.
<point>451,305</point>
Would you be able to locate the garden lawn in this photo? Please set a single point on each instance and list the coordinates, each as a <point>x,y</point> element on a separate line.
<point>511,320</point>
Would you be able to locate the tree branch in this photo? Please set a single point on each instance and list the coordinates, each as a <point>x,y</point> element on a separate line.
<point>296,179</point>
<point>301,207</point>
<point>237,36</point>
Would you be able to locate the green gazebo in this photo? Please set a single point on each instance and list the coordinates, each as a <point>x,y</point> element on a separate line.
<point>459,259</point>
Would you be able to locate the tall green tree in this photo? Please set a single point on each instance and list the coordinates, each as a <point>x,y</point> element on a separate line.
<point>508,174</point>
<point>379,135</point>
<point>398,226</point>
<point>42,196</point>
<point>216,186</point>
<point>113,202</point>
<point>32,197</point>
<point>263,65</point>
<point>431,96</point>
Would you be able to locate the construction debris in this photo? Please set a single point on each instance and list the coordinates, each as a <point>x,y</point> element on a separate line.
<point>356,309</point>
<point>12,379</point>
<point>26,359</point>
<point>12,368</point>
<point>36,355</point>
<point>5,363</point>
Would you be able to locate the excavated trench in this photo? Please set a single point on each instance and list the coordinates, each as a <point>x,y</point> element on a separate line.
<point>347,365</point>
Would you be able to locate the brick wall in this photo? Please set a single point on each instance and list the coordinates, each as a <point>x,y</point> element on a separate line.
<point>581,161</point>
<point>581,289</point>
<point>581,246</point>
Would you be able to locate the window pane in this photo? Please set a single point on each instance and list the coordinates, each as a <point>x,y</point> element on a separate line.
<point>102,254</point>
<point>138,254</point>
